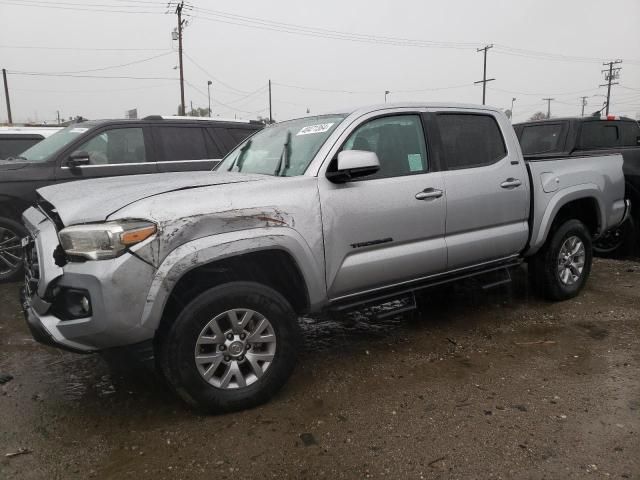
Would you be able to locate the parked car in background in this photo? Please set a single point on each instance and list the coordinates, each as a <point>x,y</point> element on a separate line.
<point>107,148</point>
<point>584,136</point>
<point>210,271</point>
<point>15,140</point>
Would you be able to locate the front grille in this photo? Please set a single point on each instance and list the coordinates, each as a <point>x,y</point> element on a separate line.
<point>31,265</point>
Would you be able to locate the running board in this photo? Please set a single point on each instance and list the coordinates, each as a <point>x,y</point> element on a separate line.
<point>353,302</point>
<point>495,279</point>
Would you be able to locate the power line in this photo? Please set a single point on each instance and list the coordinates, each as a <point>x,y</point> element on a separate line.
<point>78,8</point>
<point>535,94</point>
<point>135,62</point>
<point>87,49</point>
<point>107,90</point>
<point>213,77</point>
<point>45,74</point>
<point>221,103</point>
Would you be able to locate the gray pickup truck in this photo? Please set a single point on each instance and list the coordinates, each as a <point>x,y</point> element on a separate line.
<point>212,270</point>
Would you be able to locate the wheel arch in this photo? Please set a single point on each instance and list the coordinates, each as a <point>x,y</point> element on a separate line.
<point>582,203</point>
<point>279,261</point>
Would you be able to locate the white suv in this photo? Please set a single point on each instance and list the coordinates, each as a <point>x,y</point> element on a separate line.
<point>15,140</point>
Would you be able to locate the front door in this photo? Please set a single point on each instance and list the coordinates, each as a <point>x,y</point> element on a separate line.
<point>389,227</point>
<point>112,151</point>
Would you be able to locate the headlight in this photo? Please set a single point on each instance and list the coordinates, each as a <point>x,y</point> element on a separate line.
<point>100,241</point>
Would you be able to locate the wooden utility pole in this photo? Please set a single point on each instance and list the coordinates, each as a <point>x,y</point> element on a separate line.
<point>270,115</point>
<point>484,73</point>
<point>548,100</point>
<point>6,95</point>
<point>610,74</point>
<point>179,8</point>
<point>584,104</point>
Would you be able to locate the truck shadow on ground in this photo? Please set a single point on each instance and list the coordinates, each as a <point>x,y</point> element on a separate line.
<point>441,314</point>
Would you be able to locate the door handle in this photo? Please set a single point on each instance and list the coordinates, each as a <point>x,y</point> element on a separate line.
<point>511,183</point>
<point>428,193</point>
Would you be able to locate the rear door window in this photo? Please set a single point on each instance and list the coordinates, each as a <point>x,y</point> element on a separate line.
<point>599,134</point>
<point>543,138</point>
<point>182,143</point>
<point>470,140</point>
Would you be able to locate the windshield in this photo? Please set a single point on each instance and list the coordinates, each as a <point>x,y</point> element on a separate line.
<point>43,150</point>
<point>284,149</point>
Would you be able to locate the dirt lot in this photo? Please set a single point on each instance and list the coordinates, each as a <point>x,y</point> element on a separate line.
<point>497,385</point>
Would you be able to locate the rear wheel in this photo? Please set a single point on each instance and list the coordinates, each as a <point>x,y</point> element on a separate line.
<point>11,234</point>
<point>232,347</point>
<point>562,267</point>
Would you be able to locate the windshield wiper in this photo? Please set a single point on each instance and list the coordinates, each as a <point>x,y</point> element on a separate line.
<point>16,158</point>
<point>286,155</point>
<point>240,158</point>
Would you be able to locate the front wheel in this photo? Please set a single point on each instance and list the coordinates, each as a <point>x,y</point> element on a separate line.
<point>11,234</point>
<point>232,347</point>
<point>562,267</point>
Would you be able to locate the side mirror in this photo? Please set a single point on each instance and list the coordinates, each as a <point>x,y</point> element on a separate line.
<point>78,158</point>
<point>354,164</point>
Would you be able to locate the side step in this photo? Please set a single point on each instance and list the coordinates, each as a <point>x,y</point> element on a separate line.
<point>495,279</point>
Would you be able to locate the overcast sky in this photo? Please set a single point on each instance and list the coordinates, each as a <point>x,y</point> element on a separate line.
<point>415,49</point>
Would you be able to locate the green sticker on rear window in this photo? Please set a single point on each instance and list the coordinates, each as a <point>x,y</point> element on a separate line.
<point>415,162</point>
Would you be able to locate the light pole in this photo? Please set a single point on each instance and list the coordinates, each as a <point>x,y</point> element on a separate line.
<point>513,99</point>
<point>209,94</point>
<point>386,92</point>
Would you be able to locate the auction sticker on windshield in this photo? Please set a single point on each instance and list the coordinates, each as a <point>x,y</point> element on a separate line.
<point>320,128</point>
<point>78,130</point>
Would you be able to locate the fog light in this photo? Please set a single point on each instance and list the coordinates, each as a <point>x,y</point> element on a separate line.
<point>85,304</point>
<point>71,304</point>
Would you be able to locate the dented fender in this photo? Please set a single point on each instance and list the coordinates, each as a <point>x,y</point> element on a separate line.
<point>212,248</point>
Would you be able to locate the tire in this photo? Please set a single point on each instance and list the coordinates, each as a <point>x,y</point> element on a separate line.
<point>545,267</point>
<point>222,390</point>
<point>617,242</point>
<point>11,233</point>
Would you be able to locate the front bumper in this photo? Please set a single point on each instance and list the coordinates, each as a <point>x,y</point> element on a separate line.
<point>117,288</point>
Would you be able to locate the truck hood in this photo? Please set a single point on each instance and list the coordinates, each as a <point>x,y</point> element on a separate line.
<point>94,200</point>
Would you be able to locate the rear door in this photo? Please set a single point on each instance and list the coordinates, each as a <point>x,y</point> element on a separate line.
<point>487,188</point>
<point>113,151</point>
<point>184,148</point>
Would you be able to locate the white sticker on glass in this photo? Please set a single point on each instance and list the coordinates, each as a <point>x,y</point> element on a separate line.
<point>320,128</point>
<point>78,130</point>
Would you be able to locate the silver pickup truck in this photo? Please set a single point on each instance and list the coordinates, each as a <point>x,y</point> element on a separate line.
<point>212,270</point>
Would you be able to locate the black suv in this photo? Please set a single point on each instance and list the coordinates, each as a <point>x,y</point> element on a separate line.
<point>107,148</point>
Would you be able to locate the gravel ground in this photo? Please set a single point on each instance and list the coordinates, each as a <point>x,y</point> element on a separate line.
<point>476,385</point>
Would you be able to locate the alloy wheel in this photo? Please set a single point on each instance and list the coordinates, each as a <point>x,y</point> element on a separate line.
<point>235,348</point>
<point>10,251</point>
<point>571,260</point>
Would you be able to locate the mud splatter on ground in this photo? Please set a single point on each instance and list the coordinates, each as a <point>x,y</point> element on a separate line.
<point>476,385</point>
